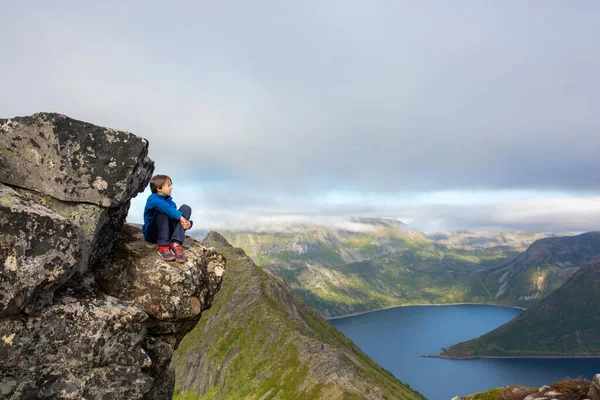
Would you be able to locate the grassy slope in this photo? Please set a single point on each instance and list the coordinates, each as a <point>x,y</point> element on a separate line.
<point>565,323</point>
<point>259,341</point>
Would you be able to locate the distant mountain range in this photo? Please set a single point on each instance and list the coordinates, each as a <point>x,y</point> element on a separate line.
<point>564,324</point>
<point>374,263</point>
<point>259,341</point>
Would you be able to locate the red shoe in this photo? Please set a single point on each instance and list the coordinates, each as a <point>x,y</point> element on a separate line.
<point>166,253</point>
<point>178,250</point>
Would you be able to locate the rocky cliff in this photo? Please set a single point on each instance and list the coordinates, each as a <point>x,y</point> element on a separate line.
<point>87,310</point>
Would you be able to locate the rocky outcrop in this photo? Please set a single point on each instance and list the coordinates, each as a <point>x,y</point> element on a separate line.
<point>569,389</point>
<point>172,295</point>
<point>72,160</point>
<point>39,250</point>
<point>83,172</point>
<point>594,392</point>
<point>79,318</point>
<point>85,344</point>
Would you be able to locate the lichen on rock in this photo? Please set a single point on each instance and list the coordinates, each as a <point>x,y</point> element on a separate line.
<point>67,159</point>
<point>165,291</point>
<point>38,253</point>
<point>65,189</point>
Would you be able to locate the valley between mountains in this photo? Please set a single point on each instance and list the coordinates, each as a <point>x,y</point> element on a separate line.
<point>378,263</point>
<point>375,263</point>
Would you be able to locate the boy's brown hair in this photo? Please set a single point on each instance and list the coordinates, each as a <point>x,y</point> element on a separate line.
<point>158,181</point>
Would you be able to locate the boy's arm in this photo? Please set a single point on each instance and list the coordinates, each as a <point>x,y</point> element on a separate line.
<point>166,208</point>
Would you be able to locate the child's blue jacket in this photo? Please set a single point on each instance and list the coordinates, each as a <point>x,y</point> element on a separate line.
<point>163,204</point>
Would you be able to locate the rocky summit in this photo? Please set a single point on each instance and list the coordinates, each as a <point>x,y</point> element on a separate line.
<point>87,309</point>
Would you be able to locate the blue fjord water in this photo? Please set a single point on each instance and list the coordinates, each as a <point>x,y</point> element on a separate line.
<point>396,339</point>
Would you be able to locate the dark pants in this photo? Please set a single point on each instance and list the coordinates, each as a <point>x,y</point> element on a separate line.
<point>163,230</point>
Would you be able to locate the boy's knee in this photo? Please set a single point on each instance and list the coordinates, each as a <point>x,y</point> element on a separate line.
<point>186,210</point>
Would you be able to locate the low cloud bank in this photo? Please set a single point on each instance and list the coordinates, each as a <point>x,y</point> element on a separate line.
<point>535,213</point>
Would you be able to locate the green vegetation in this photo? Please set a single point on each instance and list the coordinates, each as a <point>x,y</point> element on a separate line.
<point>259,341</point>
<point>189,395</point>
<point>564,324</point>
<point>340,272</point>
<point>389,266</point>
<point>6,201</point>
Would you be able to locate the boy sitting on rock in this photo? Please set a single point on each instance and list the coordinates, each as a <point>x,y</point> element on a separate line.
<point>164,224</point>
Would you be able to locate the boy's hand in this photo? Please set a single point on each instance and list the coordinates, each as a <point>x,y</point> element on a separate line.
<point>185,223</point>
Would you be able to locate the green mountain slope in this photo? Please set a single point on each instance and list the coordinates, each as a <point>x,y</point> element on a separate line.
<point>376,263</point>
<point>259,341</point>
<point>564,324</point>
<point>545,266</point>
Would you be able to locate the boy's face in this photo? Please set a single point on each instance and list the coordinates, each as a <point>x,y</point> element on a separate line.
<point>166,188</point>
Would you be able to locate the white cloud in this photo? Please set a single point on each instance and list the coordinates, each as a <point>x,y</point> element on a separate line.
<point>429,212</point>
<point>282,102</point>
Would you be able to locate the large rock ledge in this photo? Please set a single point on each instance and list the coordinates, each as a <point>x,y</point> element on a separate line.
<point>72,160</point>
<point>165,291</point>
<point>80,318</point>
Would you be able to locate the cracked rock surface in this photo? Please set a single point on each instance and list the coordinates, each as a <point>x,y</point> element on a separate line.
<point>81,316</point>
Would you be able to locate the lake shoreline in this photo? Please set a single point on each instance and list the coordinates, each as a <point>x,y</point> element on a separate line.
<point>421,305</point>
<point>399,340</point>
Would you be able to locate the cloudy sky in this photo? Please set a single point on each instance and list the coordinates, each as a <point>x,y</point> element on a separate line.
<point>445,114</point>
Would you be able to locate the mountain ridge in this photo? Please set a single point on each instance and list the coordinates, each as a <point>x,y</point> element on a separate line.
<point>543,267</point>
<point>273,345</point>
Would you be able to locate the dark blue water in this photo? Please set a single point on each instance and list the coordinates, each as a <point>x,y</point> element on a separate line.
<point>396,338</point>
